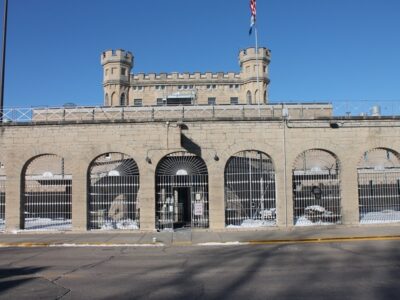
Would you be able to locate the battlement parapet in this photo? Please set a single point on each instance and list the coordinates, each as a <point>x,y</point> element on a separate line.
<point>175,76</point>
<point>250,54</point>
<point>118,55</point>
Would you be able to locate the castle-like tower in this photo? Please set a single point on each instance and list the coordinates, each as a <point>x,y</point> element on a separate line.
<point>249,86</point>
<point>117,66</point>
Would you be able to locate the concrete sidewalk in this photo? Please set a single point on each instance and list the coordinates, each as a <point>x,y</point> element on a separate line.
<point>196,237</point>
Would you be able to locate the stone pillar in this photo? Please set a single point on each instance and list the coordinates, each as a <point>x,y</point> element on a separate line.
<point>14,208</point>
<point>147,202</point>
<point>349,193</point>
<point>216,197</point>
<point>80,196</point>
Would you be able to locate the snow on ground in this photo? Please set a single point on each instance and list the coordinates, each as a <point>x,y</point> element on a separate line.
<point>47,224</point>
<point>106,245</point>
<point>250,223</point>
<point>121,224</point>
<point>237,243</point>
<point>303,221</point>
<point>385,216</point>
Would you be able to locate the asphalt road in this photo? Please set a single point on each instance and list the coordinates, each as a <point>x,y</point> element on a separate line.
<point>347,270</point>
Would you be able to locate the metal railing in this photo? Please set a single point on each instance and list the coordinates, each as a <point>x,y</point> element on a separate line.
<point>113,193</point>
<point>293,110</point>
<point>47,195</point>
<point>250,197</point>
<point>155,113</point>
<point>316,189</point>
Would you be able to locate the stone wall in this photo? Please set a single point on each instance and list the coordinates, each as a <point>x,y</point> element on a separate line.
<point>148,142</point>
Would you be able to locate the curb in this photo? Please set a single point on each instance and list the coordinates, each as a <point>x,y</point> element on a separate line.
<point>185,244</point>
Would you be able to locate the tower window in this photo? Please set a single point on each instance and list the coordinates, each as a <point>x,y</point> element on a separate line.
<point>137,102</point>
<point>211,101</point>
<point>123,71</point>
<point>160,102</point>
<point>234,100</point>
<point>122,102</point>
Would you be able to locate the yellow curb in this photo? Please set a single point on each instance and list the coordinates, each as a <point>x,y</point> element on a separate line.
<point>182,243</point>
<point>325,240</point>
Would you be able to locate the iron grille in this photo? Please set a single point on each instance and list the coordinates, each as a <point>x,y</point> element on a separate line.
<point>379,187</point>
<point>250,197</point>
<point>181,192</point>
<point>47,194</point>
<point>113,190</point>
<point>316,189</point>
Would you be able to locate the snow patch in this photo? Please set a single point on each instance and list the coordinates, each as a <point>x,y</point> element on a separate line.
<point>47,224</point>
<point>237,243</point>
<point>384,216</point>
<point>250,223</point>
<point>107,245</point>
<point>317,215</point>
<point>127,224</point>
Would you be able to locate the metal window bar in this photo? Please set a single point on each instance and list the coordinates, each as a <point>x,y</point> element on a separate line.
<point>181,192</point>
<point>2,201</point>
<point>379,187</point>
<point>316,189</point>
<point>47,195</point>
<point>250,195</point>
<point>113,193</point>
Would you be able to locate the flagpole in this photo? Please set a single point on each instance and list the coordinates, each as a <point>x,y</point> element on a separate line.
<point>3,59</point>
<point>258,68</point>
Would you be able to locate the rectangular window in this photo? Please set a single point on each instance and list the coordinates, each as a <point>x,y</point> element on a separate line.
<point>137,102</point>
<point>160,101</point>
<point>234,100</point>
<point>123,71</point>
<point>211,101</point>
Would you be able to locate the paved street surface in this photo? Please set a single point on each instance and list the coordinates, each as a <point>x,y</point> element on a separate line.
<point>339,270</point>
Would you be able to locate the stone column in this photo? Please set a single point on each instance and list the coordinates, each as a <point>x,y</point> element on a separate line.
<point>14,208</point>
<point>80,196</point>
<point>216,197</point>
<point>349,193</point>
<point>146,196</point>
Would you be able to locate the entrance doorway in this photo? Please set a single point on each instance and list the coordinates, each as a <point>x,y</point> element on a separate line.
<point>183,209</point>
<point>181,192</point>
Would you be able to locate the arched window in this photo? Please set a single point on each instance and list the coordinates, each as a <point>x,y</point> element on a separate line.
<point>250,197</point>
<point>113,189</point>
<point>181,192</point>
<point>47,194</point>
<point>316,188</point>
<point>2,197</point>
<point>256,100</point>
<point>106,100</point>
<point>248,97</point>
<point>113,99</point>
<point>122,100</point>
<point>379,186</point>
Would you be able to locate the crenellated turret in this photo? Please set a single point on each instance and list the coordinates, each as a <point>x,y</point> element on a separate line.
<point>251,70</point>
<point>117,66</point>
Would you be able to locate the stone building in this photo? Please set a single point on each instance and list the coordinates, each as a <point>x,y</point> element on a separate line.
<point>195,163</point>
<point>121,88</point>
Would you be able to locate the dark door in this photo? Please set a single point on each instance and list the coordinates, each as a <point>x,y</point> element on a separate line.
<point>183,207</point>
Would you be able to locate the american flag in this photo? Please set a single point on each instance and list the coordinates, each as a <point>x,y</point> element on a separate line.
<point>253,11</point>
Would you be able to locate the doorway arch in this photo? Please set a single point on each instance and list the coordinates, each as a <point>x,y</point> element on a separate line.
<point>181,192</point>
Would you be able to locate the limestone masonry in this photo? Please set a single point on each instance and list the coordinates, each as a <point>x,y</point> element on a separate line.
<point>198,151</point>
<point>121,88</point>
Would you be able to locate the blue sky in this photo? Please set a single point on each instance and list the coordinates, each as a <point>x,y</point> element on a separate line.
<point>322,50</point>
